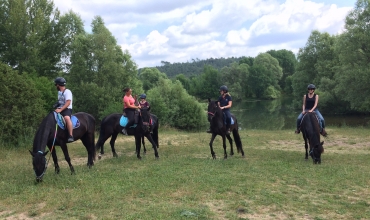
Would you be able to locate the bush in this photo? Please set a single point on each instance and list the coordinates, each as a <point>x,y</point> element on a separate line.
<point>21,106</point>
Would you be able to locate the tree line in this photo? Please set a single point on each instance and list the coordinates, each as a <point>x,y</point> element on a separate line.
<point>38,43</point>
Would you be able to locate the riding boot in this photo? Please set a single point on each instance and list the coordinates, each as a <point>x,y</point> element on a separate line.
<point>124,131</point>
<point>70,139</point>
<point>297,131</point>
<point>323,132</point>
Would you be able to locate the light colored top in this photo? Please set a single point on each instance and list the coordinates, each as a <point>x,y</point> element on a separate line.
<point>63,97</point>
<point>128,99</point>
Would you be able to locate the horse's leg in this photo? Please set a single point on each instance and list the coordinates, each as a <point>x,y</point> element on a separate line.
<point>66,157</point>
<point>55,159</point>
<point>154,146</point>
<point>111,142</point>
<point>138,145</point>
<point>224,146</point>
<point>231,144</point>
<point>89,145</point>
<point>143,143</point>
<point>305,145</point>
<point>211,147</point>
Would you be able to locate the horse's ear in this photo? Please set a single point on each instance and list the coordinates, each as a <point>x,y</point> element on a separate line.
<point>209,100</point>
<point>322,143</point>
<point>31,153</point>
<point>46,153</point>
<point>148,108</point>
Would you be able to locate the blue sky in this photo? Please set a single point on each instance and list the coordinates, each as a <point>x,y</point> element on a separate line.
<point>182,30</point>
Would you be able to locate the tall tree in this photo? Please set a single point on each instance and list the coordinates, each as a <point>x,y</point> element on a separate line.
<point>150,77</point>
<point>354,55</point>
<point>235,77</point>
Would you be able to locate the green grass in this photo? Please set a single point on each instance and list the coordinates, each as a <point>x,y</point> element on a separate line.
<point>272,182</point>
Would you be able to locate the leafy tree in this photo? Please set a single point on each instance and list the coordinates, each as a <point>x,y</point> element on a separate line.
<point>287,62</point>
<point>207,84</point>
<point>354,54</point>
<point>175,107</point>
<point>272,66</point>
<point>33,36</point>
<point>184,81</point>
<point>18,120</point>
<point>259,80</point>
<point>247,60</point>
<point>150,77</point>
<point>235,77</point>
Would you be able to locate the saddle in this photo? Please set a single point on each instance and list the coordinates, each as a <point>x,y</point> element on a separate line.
<point>62,124</point>
<point>317,118</point>
<point>124,120</point>
<point>224,117</point>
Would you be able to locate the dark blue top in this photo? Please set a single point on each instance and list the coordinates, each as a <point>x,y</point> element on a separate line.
<point>224,101</point>
<point>310,102</point>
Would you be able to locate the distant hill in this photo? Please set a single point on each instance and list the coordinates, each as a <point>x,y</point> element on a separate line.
<point>195,67</point>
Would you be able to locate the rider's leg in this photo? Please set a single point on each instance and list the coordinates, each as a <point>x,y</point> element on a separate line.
<point>67,114</point>
<point>322,122</point>
<point>130,113</point>
<point>228,121</point>
<point>299,119</point>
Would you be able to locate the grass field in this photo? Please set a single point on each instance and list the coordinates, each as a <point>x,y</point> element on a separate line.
<point>273,181</point>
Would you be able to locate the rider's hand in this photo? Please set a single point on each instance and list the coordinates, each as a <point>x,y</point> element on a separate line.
<point>58,110</point>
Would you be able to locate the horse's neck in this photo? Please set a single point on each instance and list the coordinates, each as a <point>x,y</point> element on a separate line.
<point>42,135</point>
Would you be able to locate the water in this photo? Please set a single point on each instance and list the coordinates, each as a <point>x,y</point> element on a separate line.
<point>280,114</point>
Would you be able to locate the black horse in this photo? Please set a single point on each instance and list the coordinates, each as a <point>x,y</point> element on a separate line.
<point>110,127</point>
<point>49,134</point>
<point>218,127</point>
<point>311,132</point>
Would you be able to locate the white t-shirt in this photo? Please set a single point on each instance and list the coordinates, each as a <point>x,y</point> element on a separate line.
<point>63,97</point>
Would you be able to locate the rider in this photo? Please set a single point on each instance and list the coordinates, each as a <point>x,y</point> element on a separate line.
<point>310,102</point>
<point>225,102</point>
<point>64,106</point>
<point>143,103</point>
<point>129,108</point>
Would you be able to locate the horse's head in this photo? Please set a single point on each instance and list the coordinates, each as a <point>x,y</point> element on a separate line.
<point>316,152</point>
<point>145,118</point>
<point>39,164</point>
<point>213,109</point>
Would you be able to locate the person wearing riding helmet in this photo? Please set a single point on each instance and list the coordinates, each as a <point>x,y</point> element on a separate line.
<point>225,102</point>
<point>129,108</point>
<point>310,102</point>
<point>64,105</point>
<point>143,103</point>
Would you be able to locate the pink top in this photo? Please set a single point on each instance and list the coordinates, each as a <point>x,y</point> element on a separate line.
<point>128,99</point>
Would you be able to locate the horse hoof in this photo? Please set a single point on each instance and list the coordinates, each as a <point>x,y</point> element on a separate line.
<point>157,158</point>
<point>99,156</point>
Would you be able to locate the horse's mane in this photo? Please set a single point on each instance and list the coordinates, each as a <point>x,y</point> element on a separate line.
<point>41,137</point>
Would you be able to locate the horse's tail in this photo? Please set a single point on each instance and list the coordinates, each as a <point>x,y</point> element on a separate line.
<point>155,133</point>
<point>101,135</point>
<point>237,140</point>
<point>91,125</point>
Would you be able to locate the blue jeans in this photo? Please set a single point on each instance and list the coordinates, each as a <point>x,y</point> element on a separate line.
<point>321,119</point>
<point>228,117</point>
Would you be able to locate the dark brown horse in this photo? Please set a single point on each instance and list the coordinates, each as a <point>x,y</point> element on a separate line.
<point>110,127</point>
<point>311,133</point>
<point>218,127</point>
<point>49,134</point>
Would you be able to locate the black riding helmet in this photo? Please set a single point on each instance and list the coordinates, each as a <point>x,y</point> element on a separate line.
<point>311,86</point>
<point>60,81</point>
<point>224,88</point>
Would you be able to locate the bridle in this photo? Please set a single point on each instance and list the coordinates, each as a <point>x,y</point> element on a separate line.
<point>145,124</point>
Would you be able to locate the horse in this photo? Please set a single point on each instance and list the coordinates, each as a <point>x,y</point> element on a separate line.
<point>218,127</point>
<point>310,129</point>
<point>49,135</point>
<point>110,127</point>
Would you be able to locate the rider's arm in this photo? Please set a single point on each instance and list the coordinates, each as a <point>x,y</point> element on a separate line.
<point>316,101</point>
<point>228,105</point>
<point>127,102</point>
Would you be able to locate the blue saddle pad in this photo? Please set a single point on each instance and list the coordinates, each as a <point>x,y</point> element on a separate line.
<point>124,120</point>
<point>60,121</point>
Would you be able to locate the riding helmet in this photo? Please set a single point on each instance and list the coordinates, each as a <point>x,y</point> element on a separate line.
<point>60,81</point>
<point>224,88</point>
<point>143,96</point>
<point>311,86</point>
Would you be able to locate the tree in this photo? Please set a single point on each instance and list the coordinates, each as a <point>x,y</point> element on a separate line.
<point>354,54</point>
<point>235,77</point>
<point>150,77</point>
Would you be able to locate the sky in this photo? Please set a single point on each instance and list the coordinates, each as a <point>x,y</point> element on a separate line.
<point>179,31</point>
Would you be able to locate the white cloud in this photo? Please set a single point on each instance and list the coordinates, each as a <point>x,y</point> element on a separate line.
<point>178,31</point>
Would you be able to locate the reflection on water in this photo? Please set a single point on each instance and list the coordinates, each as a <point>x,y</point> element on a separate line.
<point>280,114</point>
